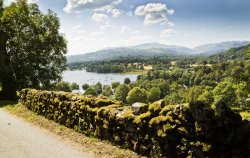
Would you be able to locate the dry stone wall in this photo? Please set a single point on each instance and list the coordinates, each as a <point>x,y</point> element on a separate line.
<point>155,130</point>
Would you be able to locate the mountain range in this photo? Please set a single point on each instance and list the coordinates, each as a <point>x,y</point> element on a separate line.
<point>156,49</point>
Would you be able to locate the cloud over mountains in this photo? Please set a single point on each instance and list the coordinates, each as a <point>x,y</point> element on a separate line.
<point>155,13</point>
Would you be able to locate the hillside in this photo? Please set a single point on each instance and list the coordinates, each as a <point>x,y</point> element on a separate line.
<point>232,54</point>
<point>122,52</point>
<point>214,48</point>
<point>156,49</point>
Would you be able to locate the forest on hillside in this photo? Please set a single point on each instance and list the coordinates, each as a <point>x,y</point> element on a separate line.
<point>221,77</point>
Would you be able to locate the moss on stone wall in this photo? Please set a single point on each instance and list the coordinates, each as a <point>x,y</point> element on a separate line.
<point>155,130</point>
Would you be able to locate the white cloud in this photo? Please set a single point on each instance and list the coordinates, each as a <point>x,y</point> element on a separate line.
<point>116,12</point>
<point>155,13</point>
<point>110,9</point>
<point>103,20</point>
<point>167,32</point>
<point>80,5</point>
<point>98,17</point>
<point>125,29</point>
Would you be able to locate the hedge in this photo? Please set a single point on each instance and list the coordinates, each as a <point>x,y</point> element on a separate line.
<point>156,130</point>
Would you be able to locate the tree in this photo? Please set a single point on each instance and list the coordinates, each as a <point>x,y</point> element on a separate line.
<point>74,86</point>
<point>85,86</point>
<point>225,92</point>
<point>137,95</point>
<point>114,85</point>
<point>206,96</point>
<point>122,92</point>
<point>34,54</point>
<point>154,94</point>
<point>90,91</point>
<point>127,81</point>
<point>193,93</point>
<point>98,88</point>
<point>1,7</point>
<point>164,87</point>
<point>63,86</point>
<point>107,91</point>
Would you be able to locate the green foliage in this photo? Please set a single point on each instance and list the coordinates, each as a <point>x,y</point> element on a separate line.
<point>164,87</point>
<point>193,93</point>
<point>225,92</point>
<point>137,95</point>
<point>107,91</point>
<point>63,86</point>
<point>90,91</point>
<point>127,81</point>
<point>121,92</point>
<point>35,48</point>
<point>74,86</point>
<point>85,86</point>
<point>154,94</point>
<point>114,85</point>
<point>1,7</point>
<point>241,53</point>
<point>173,99</point>
<point>207,97</point>
<point>98,88</point>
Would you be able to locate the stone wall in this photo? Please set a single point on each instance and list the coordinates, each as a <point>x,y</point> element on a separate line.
<point>156,130</point>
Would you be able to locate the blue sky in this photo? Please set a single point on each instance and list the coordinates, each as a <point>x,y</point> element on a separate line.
<point>91,25</point>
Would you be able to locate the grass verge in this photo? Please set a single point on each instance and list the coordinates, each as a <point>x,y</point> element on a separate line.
<point>94,146</point>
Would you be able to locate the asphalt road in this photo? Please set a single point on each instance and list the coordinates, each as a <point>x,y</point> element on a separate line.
<point>18,139</point>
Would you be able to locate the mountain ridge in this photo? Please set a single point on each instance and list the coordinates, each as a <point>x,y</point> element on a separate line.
<point>156,49</point>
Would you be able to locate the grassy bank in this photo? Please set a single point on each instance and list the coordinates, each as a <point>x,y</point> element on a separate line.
<point>87,144</point>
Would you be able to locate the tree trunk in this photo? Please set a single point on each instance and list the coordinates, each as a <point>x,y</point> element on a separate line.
<point>6,74</point>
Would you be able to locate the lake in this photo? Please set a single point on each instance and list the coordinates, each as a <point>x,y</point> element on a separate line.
<point>81,76</point>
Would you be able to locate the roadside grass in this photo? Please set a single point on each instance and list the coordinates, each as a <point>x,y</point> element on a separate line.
<point>94,146</point>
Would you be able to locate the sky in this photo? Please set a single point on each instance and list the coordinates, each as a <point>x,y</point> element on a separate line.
<point>91,25</point>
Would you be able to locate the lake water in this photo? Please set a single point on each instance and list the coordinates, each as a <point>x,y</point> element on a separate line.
<point>81,77</point>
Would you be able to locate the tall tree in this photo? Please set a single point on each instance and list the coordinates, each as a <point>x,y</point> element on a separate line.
<point>34,54</point>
